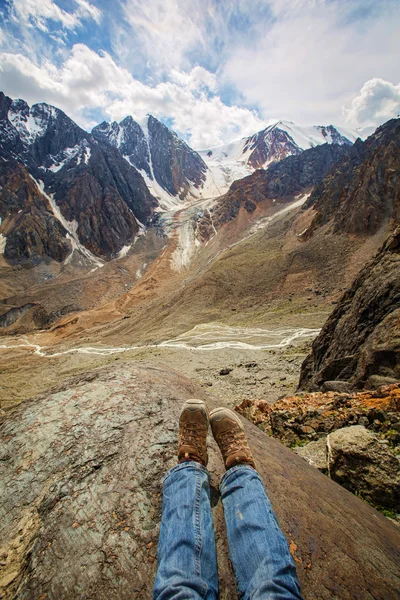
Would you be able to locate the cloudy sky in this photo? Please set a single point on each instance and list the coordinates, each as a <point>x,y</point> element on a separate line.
<point>213,70</point>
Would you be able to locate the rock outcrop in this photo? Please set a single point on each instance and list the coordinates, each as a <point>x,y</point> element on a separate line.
<point>80,499</point>
<point>310,417</point>
<point>360,341</point>
<point>362,193</point>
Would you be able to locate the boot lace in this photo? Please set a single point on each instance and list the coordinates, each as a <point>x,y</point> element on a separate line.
<point>192,434</point>
<point>230,442</point>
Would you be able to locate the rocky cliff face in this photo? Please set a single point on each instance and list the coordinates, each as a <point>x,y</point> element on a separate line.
<point>28,225</point>
<point>359,343</point>
<point>80,503</point>
<point>157,151</point>
<point>96,198</point>
<point>363,192</point>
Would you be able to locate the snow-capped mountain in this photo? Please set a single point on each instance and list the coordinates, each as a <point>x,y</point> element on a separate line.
<point>240,158</point>
<point>61,190</point>
<point>172,170</point>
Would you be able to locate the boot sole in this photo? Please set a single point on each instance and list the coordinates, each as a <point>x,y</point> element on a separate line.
<point>220,413</point>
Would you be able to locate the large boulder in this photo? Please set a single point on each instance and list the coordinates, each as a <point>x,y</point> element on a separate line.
<point>357,459</point>
<point>80,498</point>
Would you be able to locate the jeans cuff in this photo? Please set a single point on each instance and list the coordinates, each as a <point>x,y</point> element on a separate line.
<point>232,470</point>
<point>187,464</point>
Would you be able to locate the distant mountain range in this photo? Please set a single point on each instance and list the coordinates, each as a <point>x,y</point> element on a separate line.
<point>64,189</point>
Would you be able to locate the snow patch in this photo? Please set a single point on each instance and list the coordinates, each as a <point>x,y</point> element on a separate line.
<point>141,270</point>
<point>124,251</point>
<point>68,154</point>
<point>182,255</point>
<point>87,155</point>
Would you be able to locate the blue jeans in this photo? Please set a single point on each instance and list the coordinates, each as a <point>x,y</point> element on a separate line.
<point>187,562</point>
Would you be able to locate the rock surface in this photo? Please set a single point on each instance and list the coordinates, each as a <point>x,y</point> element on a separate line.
<point>81,473</point>
<point>359,461</point>
<point>360,340</point>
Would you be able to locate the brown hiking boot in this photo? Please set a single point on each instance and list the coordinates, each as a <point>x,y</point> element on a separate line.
<point>193,427</point>
<point>229,434</point>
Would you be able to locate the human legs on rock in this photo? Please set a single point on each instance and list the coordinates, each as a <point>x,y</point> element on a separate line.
<point>187,565</point>
<point>187,560</point>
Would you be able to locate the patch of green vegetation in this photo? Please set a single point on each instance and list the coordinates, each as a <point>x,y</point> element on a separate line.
<point>389,513</point>
<point>299,444</point>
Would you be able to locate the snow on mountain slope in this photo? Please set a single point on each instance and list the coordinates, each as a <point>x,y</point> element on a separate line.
<point>241,157</point>
<point>173,171</point>
<point>31,122</point>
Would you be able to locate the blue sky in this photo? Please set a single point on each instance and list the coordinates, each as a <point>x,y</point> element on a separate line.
<point>212,69</point>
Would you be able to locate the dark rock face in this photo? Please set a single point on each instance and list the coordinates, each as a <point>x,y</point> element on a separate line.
<point>175,165</point>
<point>363,192</point>
<point>130,140</point>
<point>28,223</point>
<point>95,189</point>
<point>292,175</point>
<point>158,151</point>
<point>360,342</point>
<point>80,503</point>
<point>106,197</point>
<point>281,181</point>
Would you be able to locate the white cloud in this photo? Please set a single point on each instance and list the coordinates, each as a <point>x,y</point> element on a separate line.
<point>38,12</point>
<point>314,57</point>
<point>377,102</point>
<point>89,80</point>
<point>197,79</point>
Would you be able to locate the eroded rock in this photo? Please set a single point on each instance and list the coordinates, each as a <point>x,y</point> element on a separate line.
<point>360,340</point>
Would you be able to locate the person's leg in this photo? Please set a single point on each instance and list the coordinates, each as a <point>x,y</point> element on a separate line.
<point>259,552</point>
<point>187,563</point>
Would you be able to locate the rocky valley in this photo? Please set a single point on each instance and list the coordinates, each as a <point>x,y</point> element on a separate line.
<point>136,272</point>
